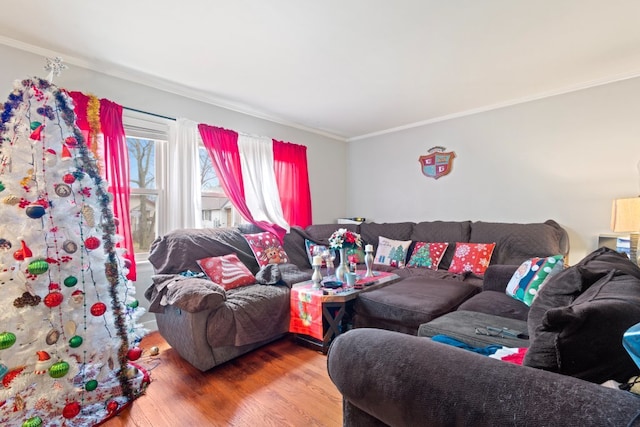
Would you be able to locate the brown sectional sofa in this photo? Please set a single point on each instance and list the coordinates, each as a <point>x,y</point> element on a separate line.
<point>575,325</point>
<point>209,326</point>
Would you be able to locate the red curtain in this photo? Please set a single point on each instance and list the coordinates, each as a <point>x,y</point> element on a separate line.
<point>292,177</point>
<point>80,102</point>
<point>222,146</point>
<point>116,162</point>
<point>116,159</point>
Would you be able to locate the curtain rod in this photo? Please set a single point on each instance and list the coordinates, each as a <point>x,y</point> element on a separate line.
<point>151,114</point>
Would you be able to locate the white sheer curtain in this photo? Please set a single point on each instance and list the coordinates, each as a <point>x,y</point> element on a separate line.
<point>259,179</point>
<point>185,202</point>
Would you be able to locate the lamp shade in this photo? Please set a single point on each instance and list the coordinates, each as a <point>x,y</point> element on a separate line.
<point>625,215</point>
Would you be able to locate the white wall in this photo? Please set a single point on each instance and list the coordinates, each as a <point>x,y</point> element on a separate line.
<point>326,157</point>
<point>563,158</point>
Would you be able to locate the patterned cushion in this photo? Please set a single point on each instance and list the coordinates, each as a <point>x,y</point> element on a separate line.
<point>227,271</point>
<point>427,255</point>
<point>471,257</point>
<point>532,275</point>
<point>266,248</point>
<point>391,252</point>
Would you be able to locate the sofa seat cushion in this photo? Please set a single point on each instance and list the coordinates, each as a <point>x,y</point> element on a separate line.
<point>250,314</point>
<point>496,303</point>
<point>462,325</point>
<point>427,274</point>
<point>412,301</point>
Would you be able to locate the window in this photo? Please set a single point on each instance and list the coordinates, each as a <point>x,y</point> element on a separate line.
<point>146,142</point>
<point>217,209</point>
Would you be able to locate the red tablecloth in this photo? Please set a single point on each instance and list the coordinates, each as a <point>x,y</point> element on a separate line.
<point>306,312</point>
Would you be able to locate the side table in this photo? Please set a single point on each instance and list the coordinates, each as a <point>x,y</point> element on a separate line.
<point>318,315</point>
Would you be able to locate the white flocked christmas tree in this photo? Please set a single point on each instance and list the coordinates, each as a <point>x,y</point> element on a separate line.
<point>68,331</point>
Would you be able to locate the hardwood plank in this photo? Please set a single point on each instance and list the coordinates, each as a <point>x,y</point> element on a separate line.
<point>280,384</point>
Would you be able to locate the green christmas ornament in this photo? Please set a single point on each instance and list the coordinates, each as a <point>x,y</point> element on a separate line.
<point>91,385</point>
<point>2,187</point>
<point>70,281</point>
<point>7,339</point>
<point>133,304</point>
<point>59,369</point>
<point>35,125</point>
<point>38,266</point>
<point>75,341</point>
<point>32,422</point>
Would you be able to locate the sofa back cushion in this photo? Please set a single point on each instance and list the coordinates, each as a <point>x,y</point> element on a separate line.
<point>371,232</point>
<point>442,231</point>
<point>584,339</point>
<point>320,233</point>
<point>516,243</point>
<point>577,321</point>
<point>179,250</point>
<point>567,285</point>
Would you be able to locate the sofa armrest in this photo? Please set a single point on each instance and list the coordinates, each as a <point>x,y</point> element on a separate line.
<point>403,380</point>
<point>497,276</point>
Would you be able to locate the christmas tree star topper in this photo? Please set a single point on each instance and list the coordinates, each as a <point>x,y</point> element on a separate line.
<point>54,67</point>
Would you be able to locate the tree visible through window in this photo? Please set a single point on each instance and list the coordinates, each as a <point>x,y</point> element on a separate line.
<point>144,191</point>
<point>217,210</point>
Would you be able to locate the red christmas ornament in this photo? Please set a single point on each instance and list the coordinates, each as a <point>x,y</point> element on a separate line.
<point>36,135</point>
<point>71,141</point>
<point>134,353</point>
<point>66,154</point>
<point>6,380</point>
<point>112,407</point>
<point>69,178</point>
<point>53,299</point>
<point>98,309</point>
<point>23,253</point>
<point>71,410</point>
<point>92,243</point>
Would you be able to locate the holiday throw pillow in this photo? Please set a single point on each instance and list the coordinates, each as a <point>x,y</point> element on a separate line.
<point>391,252</point>
<point>266,248</point>
<point>227,271</point>
<point>314,249</point>
<point>532,275</point>
<point>471,257</point>
<point>427,255</point>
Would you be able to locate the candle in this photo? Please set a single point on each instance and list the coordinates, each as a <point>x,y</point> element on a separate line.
<point>368,248</point>
<point>317,260</point>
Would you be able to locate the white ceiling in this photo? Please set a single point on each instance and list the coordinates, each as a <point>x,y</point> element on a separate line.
<point>343,68</point>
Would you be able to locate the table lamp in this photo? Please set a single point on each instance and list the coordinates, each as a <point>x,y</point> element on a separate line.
<point>625,218</point>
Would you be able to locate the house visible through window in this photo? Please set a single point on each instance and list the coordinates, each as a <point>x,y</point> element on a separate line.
<point>217,210</point>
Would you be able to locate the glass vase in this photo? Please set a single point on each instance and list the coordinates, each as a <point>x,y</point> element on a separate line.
<point>342,267</point>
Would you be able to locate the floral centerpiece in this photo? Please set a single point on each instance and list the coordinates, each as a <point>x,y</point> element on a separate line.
<point>342,239</point>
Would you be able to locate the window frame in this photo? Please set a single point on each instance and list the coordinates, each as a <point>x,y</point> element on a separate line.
<point>148,126</point>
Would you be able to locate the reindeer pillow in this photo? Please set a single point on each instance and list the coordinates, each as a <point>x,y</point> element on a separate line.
<point>266,248</point>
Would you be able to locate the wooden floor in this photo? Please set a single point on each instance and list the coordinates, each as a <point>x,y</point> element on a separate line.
<point>281,384</point>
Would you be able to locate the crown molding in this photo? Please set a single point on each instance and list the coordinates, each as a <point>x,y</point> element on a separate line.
<point>162,84</point>
<point>510,103</point>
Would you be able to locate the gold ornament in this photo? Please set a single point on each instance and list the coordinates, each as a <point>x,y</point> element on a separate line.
<point>11,200</point>
<point>87,213</point>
